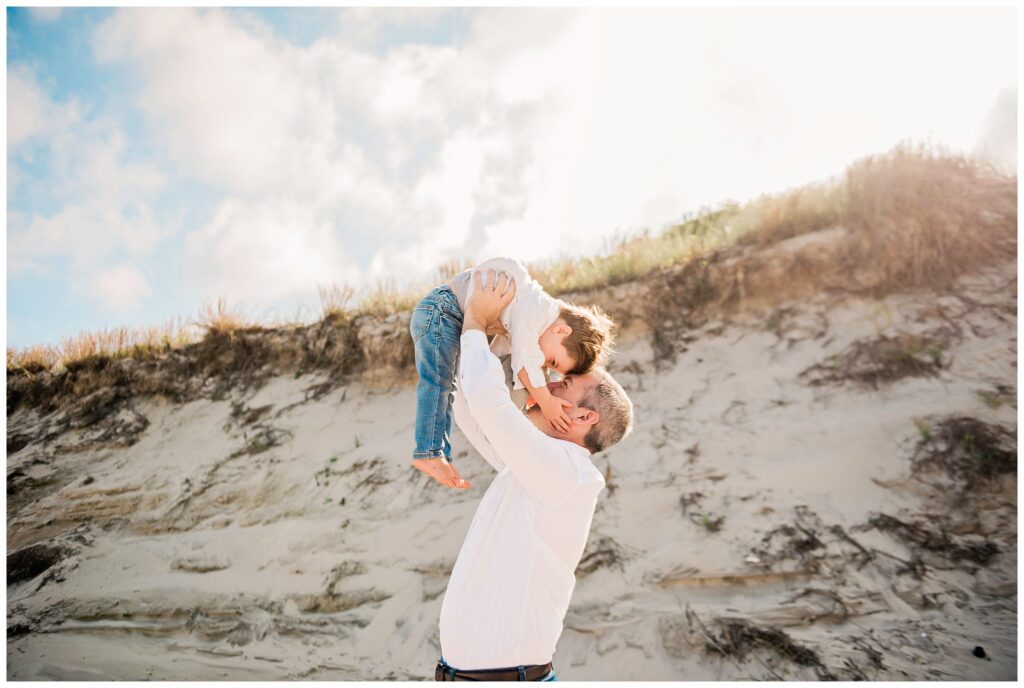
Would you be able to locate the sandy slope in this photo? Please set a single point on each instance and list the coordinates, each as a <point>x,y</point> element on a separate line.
<point>285,538</point>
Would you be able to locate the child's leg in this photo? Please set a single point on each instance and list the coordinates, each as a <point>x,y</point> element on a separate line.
<point>436,328</point>
<point>450,402</point>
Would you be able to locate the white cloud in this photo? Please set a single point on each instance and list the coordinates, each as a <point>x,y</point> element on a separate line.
<point>30,112</point>
<point>103,198</point>
<point>542,132</point>
<point>46,14</point>
<point>272,249</point>
<point>106,202</point>
<point>224,98</point>
<point>84,232</point>
<point>372,28</point>
<point>385,152</point>
<point>25,106</point>
<point>120,289</point>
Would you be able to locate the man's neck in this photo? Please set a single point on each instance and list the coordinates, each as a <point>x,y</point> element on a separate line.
<point>538,420</point>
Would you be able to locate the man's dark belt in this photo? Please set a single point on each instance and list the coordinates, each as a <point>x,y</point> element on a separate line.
<point>529,672</point>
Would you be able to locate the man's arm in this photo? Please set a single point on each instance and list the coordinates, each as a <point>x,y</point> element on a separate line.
<point>464,419</point>
<point>542,464</point>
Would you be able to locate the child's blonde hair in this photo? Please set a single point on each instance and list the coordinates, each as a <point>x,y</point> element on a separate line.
<point>591,341</point>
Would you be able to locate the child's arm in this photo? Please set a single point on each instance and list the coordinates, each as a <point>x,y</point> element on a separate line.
<point>550,405</point>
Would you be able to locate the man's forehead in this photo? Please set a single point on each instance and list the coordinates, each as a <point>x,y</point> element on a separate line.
<point>585,381</point>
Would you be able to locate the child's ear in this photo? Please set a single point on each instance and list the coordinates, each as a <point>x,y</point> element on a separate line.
<point>563,330</point>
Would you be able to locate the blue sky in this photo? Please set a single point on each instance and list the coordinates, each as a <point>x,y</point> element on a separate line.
<point>163,158</point>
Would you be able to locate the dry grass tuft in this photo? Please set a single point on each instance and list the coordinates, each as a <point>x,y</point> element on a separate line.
<point>387,298</point>
<point>33,359</point>
<point>140,342</point>
<point>450,268</point>
<point>218,318</point>
<point>773,218</point>
<point>336,301</point>
<point>629,258</point>
<point>922,218</point>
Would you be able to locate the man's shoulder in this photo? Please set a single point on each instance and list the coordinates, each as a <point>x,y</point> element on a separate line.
<point>586,470</point>
<point>594,475</point>
<point>573,454</point>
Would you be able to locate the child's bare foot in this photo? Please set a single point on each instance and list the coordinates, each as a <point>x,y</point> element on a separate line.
<point>442,471</point>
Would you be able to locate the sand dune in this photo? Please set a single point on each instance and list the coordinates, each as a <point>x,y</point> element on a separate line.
<point>779,512</point>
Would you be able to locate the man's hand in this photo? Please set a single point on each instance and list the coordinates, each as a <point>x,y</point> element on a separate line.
<point>489,298</point>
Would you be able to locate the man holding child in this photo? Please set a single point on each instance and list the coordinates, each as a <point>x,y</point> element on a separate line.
<point>509,591</point>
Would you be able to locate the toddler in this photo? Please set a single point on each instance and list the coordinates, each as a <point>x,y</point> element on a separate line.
<point>539,332</point>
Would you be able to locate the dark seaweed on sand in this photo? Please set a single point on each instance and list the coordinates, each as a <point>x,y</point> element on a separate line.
<point>967,449</point>
<point>603,552</point>
<point>871,363</point>
<point>739,636</point>
<point>936,540</point>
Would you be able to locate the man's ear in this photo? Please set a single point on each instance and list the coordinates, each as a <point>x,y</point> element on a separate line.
<point>588,417</point>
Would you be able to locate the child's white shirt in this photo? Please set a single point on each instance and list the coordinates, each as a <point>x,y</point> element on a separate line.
<point>525,318</point>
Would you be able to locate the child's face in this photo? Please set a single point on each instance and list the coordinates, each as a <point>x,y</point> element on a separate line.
<point>555,355</point>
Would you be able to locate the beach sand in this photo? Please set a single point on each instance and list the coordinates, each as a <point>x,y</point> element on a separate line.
<point>765,520</point>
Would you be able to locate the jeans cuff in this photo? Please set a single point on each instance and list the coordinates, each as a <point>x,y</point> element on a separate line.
<point>431,454</point>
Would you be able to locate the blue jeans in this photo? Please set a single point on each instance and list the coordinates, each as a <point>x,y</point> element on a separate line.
<point>553,676</point>
<point>436,329</point>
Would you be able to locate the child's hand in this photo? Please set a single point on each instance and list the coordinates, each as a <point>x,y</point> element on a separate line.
<point>552,408</point>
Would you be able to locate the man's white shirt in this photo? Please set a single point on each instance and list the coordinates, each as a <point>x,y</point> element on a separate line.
<point>510,588</point>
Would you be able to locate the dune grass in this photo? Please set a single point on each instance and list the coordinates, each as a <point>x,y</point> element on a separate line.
<point>917,215</point>
<point>336,300</point>
<point>120,342</point>
<point>923,218</point>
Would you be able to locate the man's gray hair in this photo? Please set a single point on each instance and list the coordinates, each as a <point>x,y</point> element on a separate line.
<point>614,408</point>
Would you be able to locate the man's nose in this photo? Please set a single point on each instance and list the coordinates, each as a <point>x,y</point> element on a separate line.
<point>552,386</point>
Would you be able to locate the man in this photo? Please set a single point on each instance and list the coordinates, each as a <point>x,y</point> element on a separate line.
<point>502,613</point>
